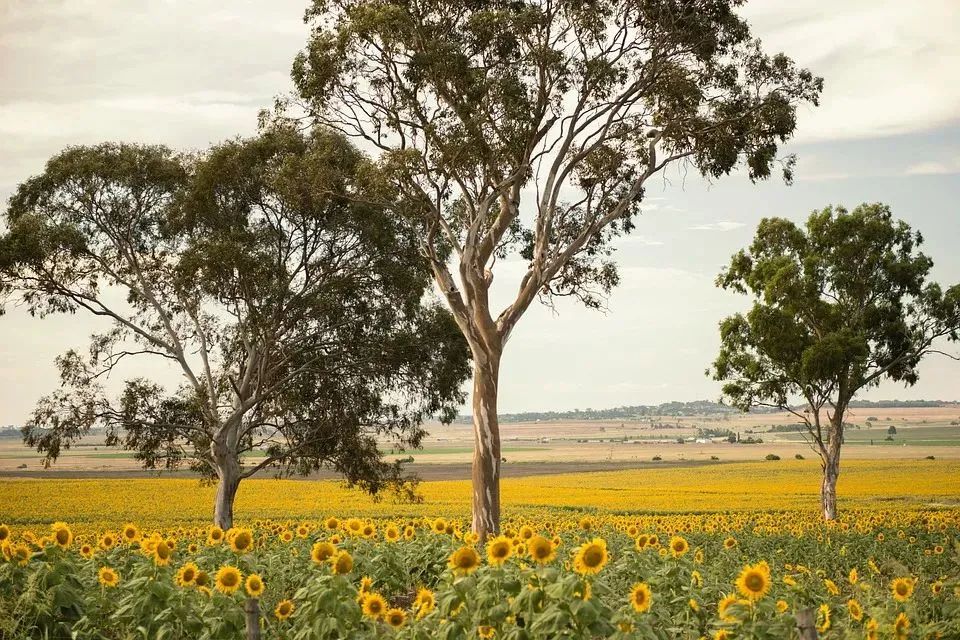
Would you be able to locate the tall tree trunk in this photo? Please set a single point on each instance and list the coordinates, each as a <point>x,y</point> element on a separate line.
<point>828,489</point>
<point>228,471</point>
<point>486,450</point>
<point>831,470</point>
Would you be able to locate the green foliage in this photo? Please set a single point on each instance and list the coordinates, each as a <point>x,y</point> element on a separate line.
<point>561,108</point>
<point>470,103</point>
<point>839,305</point>
<point>269,271</point>
<point>56,593</point>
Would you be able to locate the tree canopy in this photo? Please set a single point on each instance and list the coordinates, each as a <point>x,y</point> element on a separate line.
<point>528,130</point>
<point>840,305</point>
<point>293,308</point>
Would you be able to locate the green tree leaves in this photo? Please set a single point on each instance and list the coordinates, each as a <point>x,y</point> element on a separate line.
<point>839,306</point>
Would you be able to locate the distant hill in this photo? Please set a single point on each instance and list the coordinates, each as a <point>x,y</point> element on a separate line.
<point>696,407</point>
<point>898,404</point>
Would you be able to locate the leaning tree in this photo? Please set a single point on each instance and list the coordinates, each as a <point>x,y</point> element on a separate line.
<point>839,306</point>
<point>293,310</point>
<point>530,129</point>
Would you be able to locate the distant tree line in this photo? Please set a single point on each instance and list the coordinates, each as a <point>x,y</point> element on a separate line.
<point>696,407</point>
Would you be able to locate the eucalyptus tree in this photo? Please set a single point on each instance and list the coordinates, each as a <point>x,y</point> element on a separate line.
<point>529,129</point>
<point>294,313</point>
<point>840,305</point>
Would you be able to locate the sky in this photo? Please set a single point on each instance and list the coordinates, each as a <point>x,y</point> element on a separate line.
<point>189,73</point>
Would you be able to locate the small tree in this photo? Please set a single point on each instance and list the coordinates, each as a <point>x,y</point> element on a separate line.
<point>531,129</point>
<point>839,306</point>
<point>892,431</point>
<point>292,310</point>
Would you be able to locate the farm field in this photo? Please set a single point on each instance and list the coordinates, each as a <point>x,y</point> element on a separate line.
<point>755,486</point>
<point>921,432</point>
<point>734,550</point>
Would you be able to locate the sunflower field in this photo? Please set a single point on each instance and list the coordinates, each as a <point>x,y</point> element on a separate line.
<point>558,569</point>
<point>870,575</point>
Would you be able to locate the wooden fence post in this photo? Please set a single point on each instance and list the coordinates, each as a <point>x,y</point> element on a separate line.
<point>252,608</point>
<point>806,624</point>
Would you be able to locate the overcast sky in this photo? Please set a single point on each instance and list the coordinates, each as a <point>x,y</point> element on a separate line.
<point>188,73</point>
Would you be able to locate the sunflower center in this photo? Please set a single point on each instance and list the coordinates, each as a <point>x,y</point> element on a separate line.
<point>593,556</point>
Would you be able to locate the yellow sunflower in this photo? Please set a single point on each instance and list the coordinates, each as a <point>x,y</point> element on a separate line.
<point>391,533</point>
<point>498,550</point>
<point>187,575</point>
<point>396,618</point>
<point>901,626</point>
<point>902,589</point>
<point>374,605</point>
<point>723,607</point>
<point>108,541</point>
<point>424,603</point>
<point>4,532</point>
<point>591,557</point>
<point>284,610</point>
<point>679,546</point>
<point>341,563</point>
<point>241,540</point>
<point>254,585</point>
<point>62,535</point>
<point>831,586</point>
<point>541,550</point>
<point>640,597</point>
<point>464,561</point>
<point>322,551</point>
<point>754,581</point>
<point>161,554</point>
<point>486,631</point>
<point>228,579</point>
<point>214,535</point>
<point>855,610</point>
<point>108,577</point>
<point>823,618</point>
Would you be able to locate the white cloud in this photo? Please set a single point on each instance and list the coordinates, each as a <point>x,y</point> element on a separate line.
<point>721,225</point>
<point>638,239</point>
<point>934,167</point>
<point>890,67</point>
